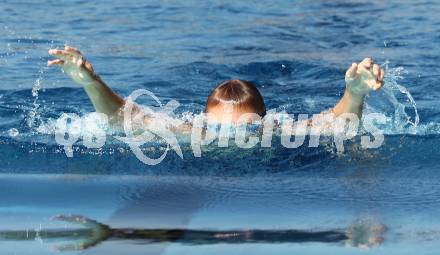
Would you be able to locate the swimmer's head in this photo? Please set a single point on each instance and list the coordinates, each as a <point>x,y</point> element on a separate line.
<point>235,98</point>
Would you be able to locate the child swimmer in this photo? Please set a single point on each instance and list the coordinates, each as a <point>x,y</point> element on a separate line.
<point>243,96</point>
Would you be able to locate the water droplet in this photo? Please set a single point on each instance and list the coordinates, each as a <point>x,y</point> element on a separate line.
<point>13,132</point>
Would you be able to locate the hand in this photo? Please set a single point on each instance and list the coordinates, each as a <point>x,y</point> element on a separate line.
<point>363,77</point>
<point>74,64</point>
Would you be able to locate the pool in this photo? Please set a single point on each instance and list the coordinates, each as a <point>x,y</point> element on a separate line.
<point>295,52</point>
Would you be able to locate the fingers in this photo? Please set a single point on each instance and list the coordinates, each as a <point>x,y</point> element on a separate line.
<point>61,54</point>
<point>69,48</point>
<point>375,74</point>
<point>376,70</point>
<point>379,79</point>
<point>377,85</point>
<point>72,50</point>
<point>55,62</point>
<point>381,74</point>
<point>67,54</point>
<point>352,71</point>
<point>367,63</point>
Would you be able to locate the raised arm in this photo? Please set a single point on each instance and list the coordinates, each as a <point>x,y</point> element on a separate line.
<point>360,80</point>
<point>103,98</point>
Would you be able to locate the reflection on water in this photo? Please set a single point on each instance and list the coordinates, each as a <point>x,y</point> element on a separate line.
<point>182,213</point>
<point>95,233</point>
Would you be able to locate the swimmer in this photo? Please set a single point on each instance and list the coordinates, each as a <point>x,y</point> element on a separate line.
<point>243,96</point>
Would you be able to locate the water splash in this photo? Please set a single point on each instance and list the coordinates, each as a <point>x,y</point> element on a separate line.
<point>33,118</point>
<point>391,80</point>
<point>400,119</point>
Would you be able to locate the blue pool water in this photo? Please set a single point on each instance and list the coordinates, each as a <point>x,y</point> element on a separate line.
<point>296,52</point>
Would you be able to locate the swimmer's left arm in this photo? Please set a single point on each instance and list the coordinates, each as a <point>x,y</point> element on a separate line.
<point>360,80</point>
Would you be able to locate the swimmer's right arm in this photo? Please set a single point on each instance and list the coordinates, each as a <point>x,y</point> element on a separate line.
<point>74,64</point>
<point>103,98</point>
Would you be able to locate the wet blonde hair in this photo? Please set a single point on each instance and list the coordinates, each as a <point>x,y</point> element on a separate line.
<point>241,94</point>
